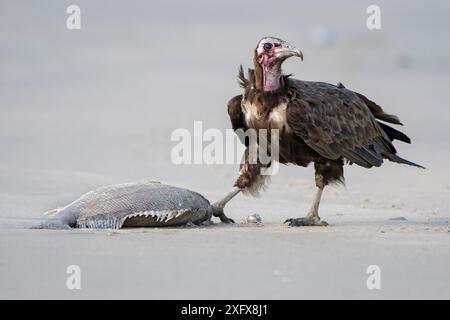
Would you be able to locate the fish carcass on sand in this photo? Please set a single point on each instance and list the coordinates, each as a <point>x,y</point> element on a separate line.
<point>148,204</point>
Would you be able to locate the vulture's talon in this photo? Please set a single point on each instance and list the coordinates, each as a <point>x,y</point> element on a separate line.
<point>225,219</point>
<point>218,212</point>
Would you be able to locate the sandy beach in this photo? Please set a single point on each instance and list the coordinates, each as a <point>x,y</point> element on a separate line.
<point>97,106</point>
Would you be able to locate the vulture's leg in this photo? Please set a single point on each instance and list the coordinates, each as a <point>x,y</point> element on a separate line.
<point>312,217</point>
<point>230,195</point>
<point>326,172</point>
<point>250,180</point>
<point>220,205</point>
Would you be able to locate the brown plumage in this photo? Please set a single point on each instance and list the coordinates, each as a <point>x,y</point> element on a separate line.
<point>319,122</point>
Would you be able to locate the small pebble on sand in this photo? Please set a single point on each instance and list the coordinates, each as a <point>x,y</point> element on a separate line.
<point>398,219</point>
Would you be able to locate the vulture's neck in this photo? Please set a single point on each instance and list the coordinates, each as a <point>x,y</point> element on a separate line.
<point>268,78</point>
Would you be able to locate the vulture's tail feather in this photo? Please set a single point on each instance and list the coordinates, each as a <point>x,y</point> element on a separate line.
<point>391,118</point>
<point>372,155</point>
<point>385,148</point>
<point>394,134</point>
<point>396,158</point>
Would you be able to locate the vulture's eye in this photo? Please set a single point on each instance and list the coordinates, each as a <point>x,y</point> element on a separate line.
<point>267,46</point>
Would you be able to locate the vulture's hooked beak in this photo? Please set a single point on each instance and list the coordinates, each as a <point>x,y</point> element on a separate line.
<point>286,50</point>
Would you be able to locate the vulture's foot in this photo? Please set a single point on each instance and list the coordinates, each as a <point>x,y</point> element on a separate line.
<point>306,222</point>
<point>225,219</point>
<point>312,218</point>
<point>218,212</point>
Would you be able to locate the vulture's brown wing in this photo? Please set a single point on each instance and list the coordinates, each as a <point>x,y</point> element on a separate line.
<point>237,116</point>
<point>336,123</point>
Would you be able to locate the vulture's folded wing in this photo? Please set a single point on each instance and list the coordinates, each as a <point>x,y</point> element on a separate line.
<point>335,123</point>
<point>237,116</point>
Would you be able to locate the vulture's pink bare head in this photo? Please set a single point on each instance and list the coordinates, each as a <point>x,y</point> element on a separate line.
<point>270,53</point>
<point>272,50</point>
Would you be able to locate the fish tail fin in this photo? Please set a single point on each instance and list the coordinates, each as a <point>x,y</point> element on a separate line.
<point>53,212</point>
<point>57,220</point>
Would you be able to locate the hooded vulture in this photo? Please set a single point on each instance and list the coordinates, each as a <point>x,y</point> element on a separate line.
<point>318,122</point>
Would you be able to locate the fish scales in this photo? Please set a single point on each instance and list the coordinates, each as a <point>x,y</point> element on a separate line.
<point>141,204</point>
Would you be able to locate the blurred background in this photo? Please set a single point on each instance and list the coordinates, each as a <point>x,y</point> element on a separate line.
<point>86,107</point>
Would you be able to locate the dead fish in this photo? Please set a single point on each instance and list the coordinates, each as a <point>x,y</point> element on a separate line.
<point>139,204</point>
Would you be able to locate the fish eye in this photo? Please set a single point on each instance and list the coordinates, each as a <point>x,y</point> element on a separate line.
<point>267,46</point>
